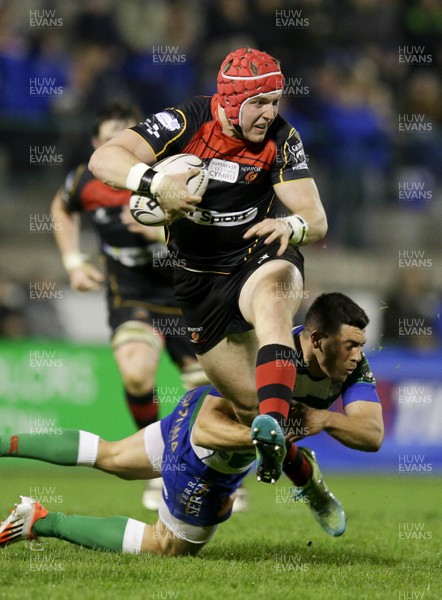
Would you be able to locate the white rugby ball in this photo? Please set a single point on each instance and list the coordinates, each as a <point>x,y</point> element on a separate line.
<point>146,210</point>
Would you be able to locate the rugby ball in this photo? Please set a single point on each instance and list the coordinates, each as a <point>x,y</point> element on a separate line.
<point>146,210</point>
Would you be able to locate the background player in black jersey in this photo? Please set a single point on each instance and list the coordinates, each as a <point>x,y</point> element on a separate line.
<point>139,293</point>
<point>236,250</point>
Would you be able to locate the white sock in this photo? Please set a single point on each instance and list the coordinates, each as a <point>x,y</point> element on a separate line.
<point>87,449</point>
<point>133,537</point>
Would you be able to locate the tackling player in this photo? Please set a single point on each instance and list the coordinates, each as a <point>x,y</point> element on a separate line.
<point>139,285</point>
<point>235,250</point>
<point>204,460</point>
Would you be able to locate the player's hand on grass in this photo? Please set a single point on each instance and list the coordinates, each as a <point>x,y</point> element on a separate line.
<point>85,278</point>
<point>272,229</point>
<point>173,195</point>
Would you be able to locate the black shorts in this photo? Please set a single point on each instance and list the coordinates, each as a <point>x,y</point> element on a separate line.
<point>140,295</point>
<point>210,302</point>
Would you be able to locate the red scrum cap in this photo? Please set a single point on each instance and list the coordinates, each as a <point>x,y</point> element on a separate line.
<point>246,73</point>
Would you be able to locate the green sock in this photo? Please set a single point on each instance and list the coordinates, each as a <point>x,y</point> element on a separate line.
<point>60,449</point>
<point>92,532</point>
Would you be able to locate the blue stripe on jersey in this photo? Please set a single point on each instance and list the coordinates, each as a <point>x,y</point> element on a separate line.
<point>297,330</point>
<point>214,392</point>
<point>365,392</point>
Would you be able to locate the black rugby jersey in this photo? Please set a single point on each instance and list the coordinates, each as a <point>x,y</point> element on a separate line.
<point>103,204</point>
<point>242,175</point>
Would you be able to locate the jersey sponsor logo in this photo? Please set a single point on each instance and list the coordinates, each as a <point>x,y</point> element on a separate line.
<point>195,334</point>
<point>193,494</point>
<point>223,170</point>
<point>151,127</point>
<point>299,166</point>
<point>175,430</point>
<point>297,155</point>
<point>168,121</point>
<point>224,219</point>
<point>251,175</point>
<point>251,172</point>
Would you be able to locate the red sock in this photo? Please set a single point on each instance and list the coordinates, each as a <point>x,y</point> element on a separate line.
<point>296,467</point>
<point>144,409</point>
<point>275,380</point>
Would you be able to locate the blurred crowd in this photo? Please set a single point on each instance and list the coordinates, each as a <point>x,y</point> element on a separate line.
<point>353,69</point>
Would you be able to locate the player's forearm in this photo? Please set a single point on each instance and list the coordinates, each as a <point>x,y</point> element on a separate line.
<point>114,161</point>
<point>221,433</point>
<point>359,434</point>
<point>111,164</point>
<point>66,228</point>
<point>302,198</point>
<point>317,225</point>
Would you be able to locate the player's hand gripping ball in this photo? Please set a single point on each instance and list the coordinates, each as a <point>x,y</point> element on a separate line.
<point>146,209</point>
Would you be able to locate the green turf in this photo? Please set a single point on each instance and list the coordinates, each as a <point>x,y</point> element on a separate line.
<point>276,551</point>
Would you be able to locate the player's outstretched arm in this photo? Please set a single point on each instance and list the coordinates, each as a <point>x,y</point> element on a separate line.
<point>83,276</point>
<point>360,428</point>
<point>66,226</point>
<point>217,428</point>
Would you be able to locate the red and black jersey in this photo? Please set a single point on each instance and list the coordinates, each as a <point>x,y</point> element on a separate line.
<point>141,267</point>
<point>83,192</point>
<point>242,175</point>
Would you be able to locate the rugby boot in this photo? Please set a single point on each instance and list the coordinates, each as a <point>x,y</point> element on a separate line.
<point>18,526</point>
<point>325,508</point>
<point>270,448</point>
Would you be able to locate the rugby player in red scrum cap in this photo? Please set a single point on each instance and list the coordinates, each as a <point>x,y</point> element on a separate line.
<point>239,279</point>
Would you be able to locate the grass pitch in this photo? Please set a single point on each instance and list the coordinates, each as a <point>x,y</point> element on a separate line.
<point>276,551</point>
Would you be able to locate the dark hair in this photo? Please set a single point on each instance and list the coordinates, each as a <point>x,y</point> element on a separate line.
<point>118,111</point>
<point>330,311</point>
